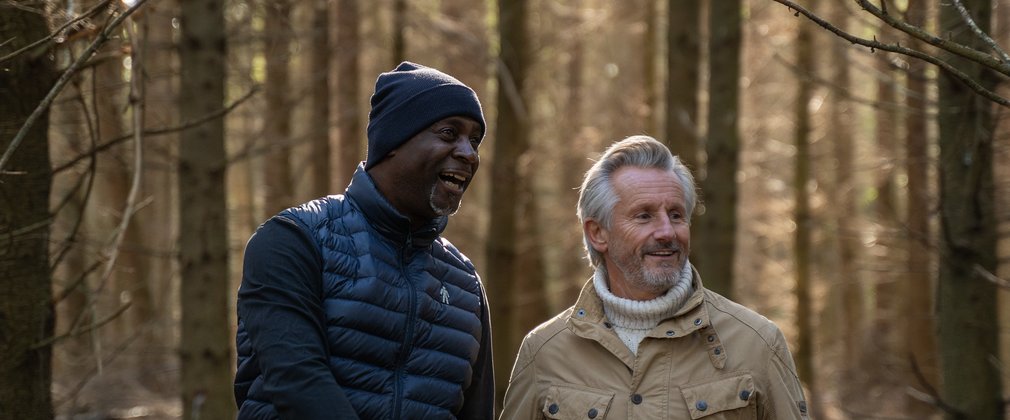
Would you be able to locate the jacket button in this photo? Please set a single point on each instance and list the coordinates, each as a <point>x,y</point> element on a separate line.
<point>553,408</point>
<point>711,338</point>
<point>718,351</point>
<point>580,313</point>
<point>608,325</point>
<point>697,321</point>
<point>592,413</point>
<point>670,333</point>
<point>637,399</point>
<point>701,405</point>
<point>745,395</point>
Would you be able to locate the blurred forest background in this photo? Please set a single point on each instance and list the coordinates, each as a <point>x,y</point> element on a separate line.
<point>855,195</point>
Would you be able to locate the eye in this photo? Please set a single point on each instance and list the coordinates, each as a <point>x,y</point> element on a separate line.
<point>449,133</point>
<point>474,142</point>
<point>643,216</point>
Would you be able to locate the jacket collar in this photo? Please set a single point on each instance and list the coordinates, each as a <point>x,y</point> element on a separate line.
<point>385,218</point>
<point>587,316</point>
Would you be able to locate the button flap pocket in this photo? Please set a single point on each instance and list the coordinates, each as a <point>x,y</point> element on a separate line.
<point>568,402</point>
<point>719,395</point>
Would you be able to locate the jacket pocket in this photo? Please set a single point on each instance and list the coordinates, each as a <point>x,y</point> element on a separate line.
<point>569,403</point>
<point>726,398</point>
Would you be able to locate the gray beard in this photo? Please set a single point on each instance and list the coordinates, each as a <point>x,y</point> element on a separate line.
<point>441,211</point>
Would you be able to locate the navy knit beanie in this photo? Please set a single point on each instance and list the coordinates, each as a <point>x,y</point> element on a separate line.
<point>411,98</point>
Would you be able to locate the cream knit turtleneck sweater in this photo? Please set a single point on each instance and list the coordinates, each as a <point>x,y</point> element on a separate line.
<point>633,319</point>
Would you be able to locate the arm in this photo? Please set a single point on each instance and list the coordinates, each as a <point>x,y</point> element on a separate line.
<point>784,396</point>
<point>478,399</point>
<point>521,401</point>
<point>280,306</point>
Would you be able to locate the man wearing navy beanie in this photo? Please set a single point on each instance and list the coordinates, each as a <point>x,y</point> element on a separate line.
<point>353,305</point>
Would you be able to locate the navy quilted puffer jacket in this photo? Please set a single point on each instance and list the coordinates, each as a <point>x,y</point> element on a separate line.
<point>344,311</point>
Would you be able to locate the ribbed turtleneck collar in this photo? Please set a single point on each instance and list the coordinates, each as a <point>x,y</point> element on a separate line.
<point>639,314</point>
<point>385,218</point>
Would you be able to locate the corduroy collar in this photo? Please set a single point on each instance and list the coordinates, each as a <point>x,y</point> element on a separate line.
<point>385,219</point>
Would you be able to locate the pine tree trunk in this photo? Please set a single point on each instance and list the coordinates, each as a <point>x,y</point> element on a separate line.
<point>277,137</point>
<point>845,202</point>
<point>511,141</point>
<point>26,309</point>
<point>349,119</point>
<point>804,223</point>
<point>966,306</point>
<point>205,345</point>
<point>714,237</point>
<point>683,37</point>
<point>319,70</point>
<point>917,322</point>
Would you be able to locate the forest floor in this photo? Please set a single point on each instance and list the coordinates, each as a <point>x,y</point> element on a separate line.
<point>118,393</point>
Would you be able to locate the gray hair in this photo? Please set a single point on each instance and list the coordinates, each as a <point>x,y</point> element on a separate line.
<point>597,197</point>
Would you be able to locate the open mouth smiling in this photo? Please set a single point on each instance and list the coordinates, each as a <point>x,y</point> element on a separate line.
<point>455,181</point>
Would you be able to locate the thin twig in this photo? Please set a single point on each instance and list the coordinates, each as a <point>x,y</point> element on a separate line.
<point>981,35</point>
<point>930,396</point>
<point>159,131</point>
<point>137,102</point>
<point>989,276</point>
<point>51,35</point>
<point>88,329</point>
<point>944,44</point>
<point>951,70</point>
<point>63,80</point>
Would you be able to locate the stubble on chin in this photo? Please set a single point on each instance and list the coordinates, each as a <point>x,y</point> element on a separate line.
<point>442,211</point>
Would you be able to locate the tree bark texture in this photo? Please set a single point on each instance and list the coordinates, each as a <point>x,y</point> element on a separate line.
<point>802,236</point>
<point>26,308</point>
<point>319,68</point>
<point>715,235</point>
<point>348,92</point>
<point>917,326</point>
<point>683,39</point>
<point>967,315</point>
<point>277,136</point>
<point>512,140</point>
<point>205,346</point>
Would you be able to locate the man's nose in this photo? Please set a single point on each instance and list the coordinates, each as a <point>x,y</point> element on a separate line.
<point>664,232</point>
<point>465,150</point>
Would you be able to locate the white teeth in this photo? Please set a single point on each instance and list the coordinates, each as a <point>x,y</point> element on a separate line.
<point>458,177</point>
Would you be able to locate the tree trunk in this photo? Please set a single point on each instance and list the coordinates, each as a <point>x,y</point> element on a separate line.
<point>156,224</point>
<point>399,32</point>
<point>715,236</point>
<point>26,309</point>
<point>512,140</point>
<point>349,119</point>
<point>277,122</point>
<point>683,37</point>
<point>574,268</point>
<point>205,345</point>
<point>845,207</point>
<point>804,224</point>
<point>917,326</point>
<point>319,69</point>
<point>966,306</point>
<point>650,49</point>
<point>465,49</point>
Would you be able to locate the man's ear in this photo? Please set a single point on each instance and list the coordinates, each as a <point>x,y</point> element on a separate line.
<point>597,235</point>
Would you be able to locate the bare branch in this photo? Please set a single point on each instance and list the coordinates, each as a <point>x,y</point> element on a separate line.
<point>980,271</point>
<point>953,72</point>
<point>981,35</point>
<point>59,30</point>
<point>63,80</point>
<point>159,131</point>
<point>931,396</point>
<point>88,329</point>
<point>944,44</point>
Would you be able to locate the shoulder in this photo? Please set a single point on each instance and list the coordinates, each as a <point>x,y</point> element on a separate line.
<point>543,337</point>
<point>741,326</point>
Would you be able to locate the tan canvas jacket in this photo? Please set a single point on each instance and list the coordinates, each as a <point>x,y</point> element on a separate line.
<point>713,360</point>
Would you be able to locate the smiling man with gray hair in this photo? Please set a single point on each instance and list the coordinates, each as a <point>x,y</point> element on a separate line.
<point>645,339</point>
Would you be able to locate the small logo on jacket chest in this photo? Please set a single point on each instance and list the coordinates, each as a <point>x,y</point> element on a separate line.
<point>444,294</point>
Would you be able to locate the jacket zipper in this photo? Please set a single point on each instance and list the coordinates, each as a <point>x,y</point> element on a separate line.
<point>408,345</point>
